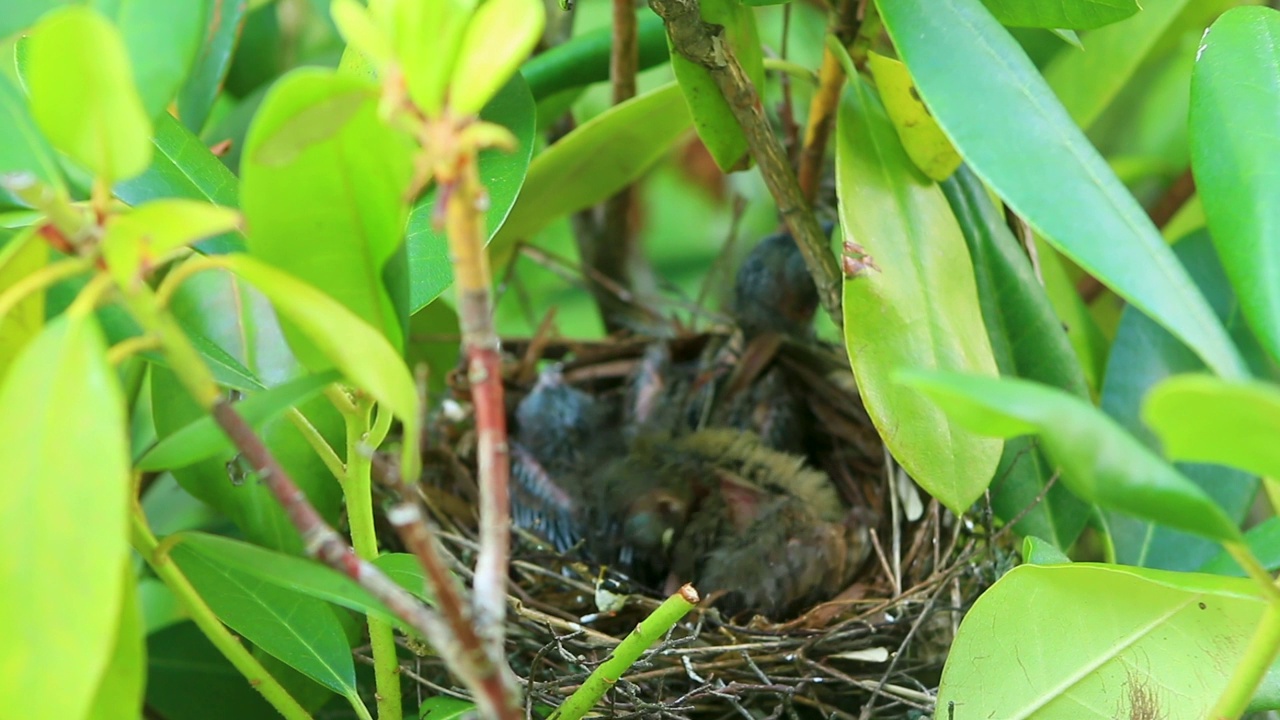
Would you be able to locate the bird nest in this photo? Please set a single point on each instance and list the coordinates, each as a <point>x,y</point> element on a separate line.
<point>874,649</point>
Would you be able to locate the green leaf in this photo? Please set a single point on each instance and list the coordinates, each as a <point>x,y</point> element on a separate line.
<point>306,576</point>
<point>120,691</point>
<point>482,66</point>
<point>1205,419</point>
<point>322,189</point>
<point>1026,335</point>
<point>425,40</point>
<point>26,150</point>
<point>22,255</point>
<point>503,173</point>
<point>221,24</point>
<point>188,679</point>
<point>443,707</point>
<point>339,338</point>
<point>202,438</point>
<point>1099,461</point>
<point>1087,82</point>
<point>1022,143</point>
<point>600,157</point>
<point>1040,644</point>
<point>1052,14</point>
<point>584,59</point>
<point>1091,347</point>
<point>917,308</point>
<point>712,116</point>
<point>300,630</point>
<point>63,436</point>
<point>1027,341</point>
<point>1040,552</point>
<point>20,15</point>
<point>135,242</point>
<point>162,38</point>
<point>1142,355</point>
<point>1234,100</point>
<point>82,93</point>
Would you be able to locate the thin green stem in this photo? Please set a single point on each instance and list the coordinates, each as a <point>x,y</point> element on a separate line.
<point>321,446</point>
<point>358,490</point>
<point>39,280</point>
<point>1257,659</point>
<point>649,631</point>
<point>179,274</point>
<point>1243,556</point>
<point>226,643</point>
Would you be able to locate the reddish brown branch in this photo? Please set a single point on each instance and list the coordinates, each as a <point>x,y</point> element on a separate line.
<point>468,661</point>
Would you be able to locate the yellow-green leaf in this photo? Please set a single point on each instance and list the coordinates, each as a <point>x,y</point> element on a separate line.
<point>136,239</point>
<point>82,93</point>
<point>24,254</point>
<point>925,143</point>
<point>484,65</point>
<point>63,517</point>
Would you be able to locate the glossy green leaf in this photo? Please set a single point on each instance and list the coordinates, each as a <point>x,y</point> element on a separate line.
<point>1098,460</point>
<point>600,157</point>
<point>1235,99</point>
<point>917,308</point>
<point>1205,419</point>
<point>322,189</point>
<point>82,94</point>
<point>135,242</point>
<point>120,690</point>
<point>483,66</point>
<point>182,167</point>
<point>202,438</point>
<point>712,116</point>
<point>584,59</point>
<point>1087,82</point>
<point>162,38</point>
<point>306,576</point>
<point>1053,14</point>
<point>1022,143</point>
<point>188,679</point>
<point>1027,341</point>
<point>1142,355</point>
<point>1040,644</point>
<point>21,15</point>
<point>222,22</point>
<point>300,630</point>
<point>27,149</point>
<point>24,254</point>
<point>64,436</point>
<point>339,338</point>
<point>503,174</point>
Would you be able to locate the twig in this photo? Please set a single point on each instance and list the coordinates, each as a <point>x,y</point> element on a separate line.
<point>468,660</point>
<point>628,651</point>
<point>704,45</point>
<point>846,24</point>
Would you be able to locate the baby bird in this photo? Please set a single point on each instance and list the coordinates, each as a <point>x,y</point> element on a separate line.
<point>773,291</point>
<point>560,430</point>
<point>728,514</point>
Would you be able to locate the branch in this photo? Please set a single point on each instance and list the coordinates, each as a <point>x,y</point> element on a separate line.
<point>323,542</point>
<point>704,45</point>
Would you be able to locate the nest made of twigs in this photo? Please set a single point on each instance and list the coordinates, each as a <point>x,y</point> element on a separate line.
<point>874,651</point>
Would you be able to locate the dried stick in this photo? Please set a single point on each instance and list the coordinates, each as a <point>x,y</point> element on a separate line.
<point>704,45</point>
